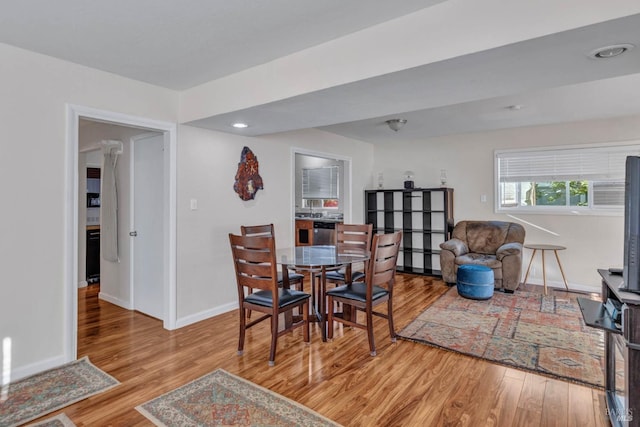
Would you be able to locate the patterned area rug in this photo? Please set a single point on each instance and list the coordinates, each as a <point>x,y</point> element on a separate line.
<point>223,399</point>
<point>60,420</point>
<point>40,394</point>
<point>530,331</point>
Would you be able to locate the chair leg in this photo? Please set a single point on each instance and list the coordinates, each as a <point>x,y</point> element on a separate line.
<point>249,311</point>
<point>301,289</point>
<point>392,331</point>
<point>274,338</point>
<point>313,291</point>
<point>305,319</point>
<point>242,331</point>
<point>330,317</point>
<point>372,344</point>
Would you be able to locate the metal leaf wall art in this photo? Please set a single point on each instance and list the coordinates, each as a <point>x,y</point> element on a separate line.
<point>248,180</point>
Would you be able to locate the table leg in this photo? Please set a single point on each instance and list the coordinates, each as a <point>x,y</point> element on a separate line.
<point>348,312</point>
<point>322,302</point>
<point>566,285</point>
<point>526,276</point>
<point>544,274</point>
<point>314,307</point>
<point>288,315</point>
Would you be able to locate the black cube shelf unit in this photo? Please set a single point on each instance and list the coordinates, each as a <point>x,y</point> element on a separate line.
<point>425,216</point>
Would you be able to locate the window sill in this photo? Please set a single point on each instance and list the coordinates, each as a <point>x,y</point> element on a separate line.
<point>555,211</point>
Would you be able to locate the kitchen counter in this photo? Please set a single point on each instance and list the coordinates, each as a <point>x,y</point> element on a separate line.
<point>334,220</point>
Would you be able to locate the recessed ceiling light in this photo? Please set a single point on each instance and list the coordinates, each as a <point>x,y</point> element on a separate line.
<point>515,107</point>
<point>240,125</point>
<point>606,52</point>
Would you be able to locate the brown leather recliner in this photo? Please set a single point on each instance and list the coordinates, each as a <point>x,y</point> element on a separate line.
<point>495,244</point>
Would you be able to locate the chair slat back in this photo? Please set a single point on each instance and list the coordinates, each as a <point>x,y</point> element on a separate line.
<point>257,230</point>
<point>353,238</point>
<point>384,255</point>
<point>254,259</point>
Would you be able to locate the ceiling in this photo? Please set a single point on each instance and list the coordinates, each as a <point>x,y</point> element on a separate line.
<point>541,80</point>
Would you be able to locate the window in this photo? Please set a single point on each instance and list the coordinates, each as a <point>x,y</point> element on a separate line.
<point>320,187</point>
<point>570,179</point>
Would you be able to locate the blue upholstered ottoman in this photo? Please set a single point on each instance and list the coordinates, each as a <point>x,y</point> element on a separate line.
<point>475,281</point>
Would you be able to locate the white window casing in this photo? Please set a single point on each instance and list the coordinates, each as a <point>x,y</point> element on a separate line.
<point>603,166</point>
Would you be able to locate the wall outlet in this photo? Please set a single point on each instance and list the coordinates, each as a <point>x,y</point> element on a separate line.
<point>483,198</point>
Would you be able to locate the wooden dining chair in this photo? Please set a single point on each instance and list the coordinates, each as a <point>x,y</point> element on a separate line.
<point>377,288</point>
<point>295,279</point>
<point>350,238</point>
<point>254,259</point>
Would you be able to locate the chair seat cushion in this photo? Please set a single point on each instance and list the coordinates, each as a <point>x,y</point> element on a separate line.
<point>357,291</point>
<point>339,276</point>
<point>285,297</point>
<point>292,277</point>
<point>479,259</point>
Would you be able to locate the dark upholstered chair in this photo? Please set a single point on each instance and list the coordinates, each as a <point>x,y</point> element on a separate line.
<point>377,288</point>
<point>254,259</point>
<point>495,244</point>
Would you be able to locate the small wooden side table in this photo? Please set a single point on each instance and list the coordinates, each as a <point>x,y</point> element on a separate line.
<point>542,248</point>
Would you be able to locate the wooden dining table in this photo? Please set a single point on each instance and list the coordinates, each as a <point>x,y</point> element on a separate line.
<point>318,259</point>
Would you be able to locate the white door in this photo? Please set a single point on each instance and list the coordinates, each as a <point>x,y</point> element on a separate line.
<point>147,238</point>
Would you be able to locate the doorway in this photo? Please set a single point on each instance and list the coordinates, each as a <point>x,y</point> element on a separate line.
<point>167,187</point>
<point>339,204</point>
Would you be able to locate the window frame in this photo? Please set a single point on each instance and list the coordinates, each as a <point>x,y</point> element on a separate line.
<point>616,149</point>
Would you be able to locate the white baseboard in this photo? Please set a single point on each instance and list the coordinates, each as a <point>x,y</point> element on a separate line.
<point>116,301</point>
<point>206,314</point>
<point>35,368</point>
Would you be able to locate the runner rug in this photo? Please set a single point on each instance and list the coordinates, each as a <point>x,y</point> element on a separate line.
<point>60,420</point>
<point>525,330</point>
<point>223,399</point>
<point>40,394</point>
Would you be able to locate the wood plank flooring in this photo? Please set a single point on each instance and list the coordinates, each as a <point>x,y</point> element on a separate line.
<point>407,384</point>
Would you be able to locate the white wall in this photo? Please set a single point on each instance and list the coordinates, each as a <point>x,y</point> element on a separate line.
<point>592,241</point>
<point>207,164</point>
<point>34,91</point>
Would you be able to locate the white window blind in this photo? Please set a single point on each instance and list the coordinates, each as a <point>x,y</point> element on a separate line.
<point>320,183</point>
<point>605,163</point>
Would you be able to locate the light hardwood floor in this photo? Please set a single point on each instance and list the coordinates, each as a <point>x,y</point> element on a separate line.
<point>407,384</point>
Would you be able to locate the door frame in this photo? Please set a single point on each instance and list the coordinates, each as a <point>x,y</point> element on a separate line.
<point>74,114</point>
<point>348,185</point>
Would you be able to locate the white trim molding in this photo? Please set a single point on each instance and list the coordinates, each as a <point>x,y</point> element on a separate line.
<point>74,114</point>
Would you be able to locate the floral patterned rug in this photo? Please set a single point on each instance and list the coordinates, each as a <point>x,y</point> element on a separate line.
<point>40,394</point>
<point>60,420</point>
<point>525,330</point>
<point>223,399</point>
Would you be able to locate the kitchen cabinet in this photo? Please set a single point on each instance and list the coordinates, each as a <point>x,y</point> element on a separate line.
<point>304,232</point>
<point>425,216</point>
